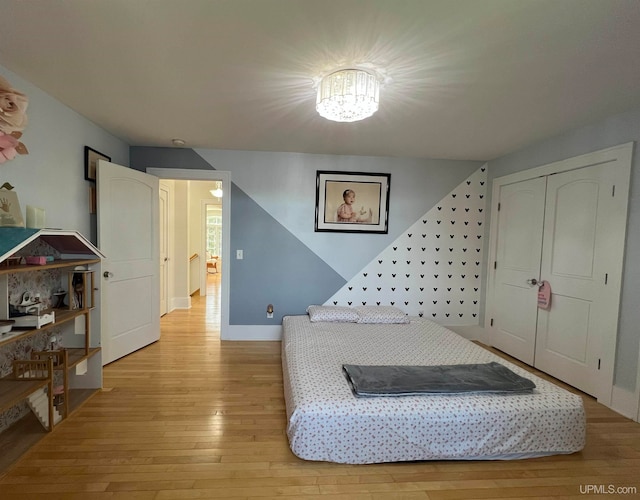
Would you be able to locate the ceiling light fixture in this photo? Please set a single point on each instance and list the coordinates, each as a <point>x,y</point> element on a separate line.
<point>178,142</point>
<point>217,192</point>
<point>348,95</point>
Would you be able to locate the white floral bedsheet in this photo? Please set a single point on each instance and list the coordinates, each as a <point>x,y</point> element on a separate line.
<point>327,422</point>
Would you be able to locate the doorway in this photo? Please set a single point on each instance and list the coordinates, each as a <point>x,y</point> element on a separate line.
<point>211,220</point>
<point>180,266</point>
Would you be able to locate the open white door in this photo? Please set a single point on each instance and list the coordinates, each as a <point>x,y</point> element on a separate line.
<point>128,235</point>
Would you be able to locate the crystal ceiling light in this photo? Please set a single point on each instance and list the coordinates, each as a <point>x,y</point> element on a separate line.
<point>348,95</point>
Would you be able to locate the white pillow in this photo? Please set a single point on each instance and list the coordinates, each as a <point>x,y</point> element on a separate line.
<point>333,314</point>
<point>381,314</point>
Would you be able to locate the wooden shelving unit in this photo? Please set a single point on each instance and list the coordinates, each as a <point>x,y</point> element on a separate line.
<point>27,377</point>
<point>52,265</point>
<point>62,316</point>
<point>13,391</point>
<point>75,362</point>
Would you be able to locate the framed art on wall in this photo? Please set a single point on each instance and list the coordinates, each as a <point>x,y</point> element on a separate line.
<point>91,156</point>
<point>10,213</point>
<point>93,203</point>
<point>352,202</point>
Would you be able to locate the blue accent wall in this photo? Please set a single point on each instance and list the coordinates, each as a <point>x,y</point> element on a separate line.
<point>285,262</point>
<point>142,158</point>
<point>276,269</point>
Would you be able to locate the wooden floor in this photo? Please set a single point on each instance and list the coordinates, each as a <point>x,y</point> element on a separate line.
<point>193,417</point>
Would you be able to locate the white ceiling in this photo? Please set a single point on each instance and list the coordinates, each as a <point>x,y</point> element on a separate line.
<point>471,79</point>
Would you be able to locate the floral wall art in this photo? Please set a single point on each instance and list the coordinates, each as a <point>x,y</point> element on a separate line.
<point>13,120</point>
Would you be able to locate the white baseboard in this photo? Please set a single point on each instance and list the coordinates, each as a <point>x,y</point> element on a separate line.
<point>625,402</point>
<point>180,303</point>
<point>253,332</point>
<point>470,332</point>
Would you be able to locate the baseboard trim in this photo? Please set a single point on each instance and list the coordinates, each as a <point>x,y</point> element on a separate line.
<point>181,303</point>
<point>625,402</point>
<point>253,332</point>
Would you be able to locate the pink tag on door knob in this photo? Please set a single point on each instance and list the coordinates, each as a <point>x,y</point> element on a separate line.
<point>544,295</point>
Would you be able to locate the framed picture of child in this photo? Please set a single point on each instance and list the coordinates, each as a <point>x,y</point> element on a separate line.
<point>352,202</point>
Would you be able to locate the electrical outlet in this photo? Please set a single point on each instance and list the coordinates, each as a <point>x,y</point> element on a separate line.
<point>239,254</point>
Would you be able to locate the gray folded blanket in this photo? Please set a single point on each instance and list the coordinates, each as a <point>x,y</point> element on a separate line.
<point>367,381</point>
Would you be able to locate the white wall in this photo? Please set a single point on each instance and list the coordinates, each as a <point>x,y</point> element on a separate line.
<point>180,292</point>
<point>51,176</point>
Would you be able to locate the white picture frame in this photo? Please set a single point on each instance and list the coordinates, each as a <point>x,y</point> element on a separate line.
<point>10,212</point>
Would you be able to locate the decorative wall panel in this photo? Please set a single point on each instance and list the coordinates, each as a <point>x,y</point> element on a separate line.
<point>434,268</point>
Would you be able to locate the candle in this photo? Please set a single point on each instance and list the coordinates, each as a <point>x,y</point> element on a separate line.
<point>35,217</point>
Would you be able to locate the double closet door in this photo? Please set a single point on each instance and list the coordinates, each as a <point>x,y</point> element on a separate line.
<point>567,229</point>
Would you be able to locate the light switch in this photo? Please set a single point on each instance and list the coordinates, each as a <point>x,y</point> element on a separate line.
<point>239,255</point>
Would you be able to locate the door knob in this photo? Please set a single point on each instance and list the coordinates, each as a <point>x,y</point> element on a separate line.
<point>532,281</point>
<point>107,274</point>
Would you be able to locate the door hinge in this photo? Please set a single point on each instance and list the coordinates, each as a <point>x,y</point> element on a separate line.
<point>491,324</point>
<point>498,206</point>
<point>495,264</point>
<point>613,191</point>
<point>606,278</point>
<point>599,360</point>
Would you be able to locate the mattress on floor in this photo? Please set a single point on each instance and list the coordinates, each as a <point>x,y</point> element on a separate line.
<point>326,422</point>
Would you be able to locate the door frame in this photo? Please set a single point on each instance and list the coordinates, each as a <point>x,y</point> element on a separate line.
<point>622,154</point>
<point>204,271</point>
<point>211,175</point>
<point>165,234</point>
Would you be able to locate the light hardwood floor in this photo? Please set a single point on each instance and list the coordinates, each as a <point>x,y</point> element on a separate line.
<point>193,417</point>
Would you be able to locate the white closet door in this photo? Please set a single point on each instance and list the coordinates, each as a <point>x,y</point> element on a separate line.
<point>576,337</point>
<point>517,264</point>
